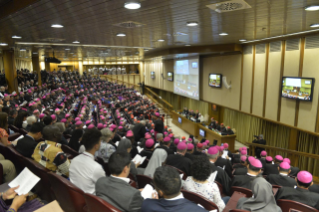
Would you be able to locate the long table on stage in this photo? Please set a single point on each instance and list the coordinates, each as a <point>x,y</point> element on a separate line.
<point>193,128</point>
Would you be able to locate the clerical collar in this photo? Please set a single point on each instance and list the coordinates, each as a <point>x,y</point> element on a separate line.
<point>212,162</point>
<point>283,174</point>
<point>251,175</point>
<point>180,196</point>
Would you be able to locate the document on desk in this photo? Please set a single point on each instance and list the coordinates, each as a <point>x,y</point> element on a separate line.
<point>26,180</point>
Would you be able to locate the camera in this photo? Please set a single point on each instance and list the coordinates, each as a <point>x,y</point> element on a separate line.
<point>256,136</point>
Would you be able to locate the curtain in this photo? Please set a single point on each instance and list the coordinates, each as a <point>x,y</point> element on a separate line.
<point>1,63</point>
<point>247,126</point>
<point>25,64</point>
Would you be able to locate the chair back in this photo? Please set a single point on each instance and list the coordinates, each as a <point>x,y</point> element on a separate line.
<point>198,199</point>
<point>1,174</point>
<point>287,205</point>
<point>16,158</point>
<point>238,210</point>
<point>13,136</point>
<point>245,191</point>
<point>69,196</point>
<point>42,188</point>
<point>220,187</point>
<point>68,150</point>
<point>179,171</point>
<point>95,204</point>
<point>14,128</point>
<point>143,180</point>
<point>23,131</point>
<point>104,165</point>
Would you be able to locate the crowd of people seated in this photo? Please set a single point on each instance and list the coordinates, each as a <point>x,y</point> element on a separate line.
<point>105,124</point>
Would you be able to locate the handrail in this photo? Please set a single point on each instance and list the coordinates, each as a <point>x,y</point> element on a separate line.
<point>159,98</point>
<point>108,77</point>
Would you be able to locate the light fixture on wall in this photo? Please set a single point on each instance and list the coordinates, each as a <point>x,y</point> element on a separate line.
<point>242,40</point>
<point>312,8</point>
<point>23,50</point>
<point>57,26</point>
<point>16,37</point>
<point>76,41</point>
<point>3,44</point>
<point>121,35</point>
<point>314,25</point>
<point>192,23</point>
<point>160,40</point>
<point>132,5</point>
<point>223,34</point>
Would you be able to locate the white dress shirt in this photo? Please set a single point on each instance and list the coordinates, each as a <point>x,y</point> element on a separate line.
<point>127,180</point>
<point>85,171</point>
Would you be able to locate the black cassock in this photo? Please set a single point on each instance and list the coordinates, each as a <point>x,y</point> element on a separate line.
<point>294,171</point>
<point>240,171</point>
<point>314,188</point>
<point>242,181</point>
<point>146,153</point>
<point>299,195</point>
<point>222,178</point>
<point>180,162</point>
<point>221,162</point>
<point>281,180</point>
<point>270,169</point>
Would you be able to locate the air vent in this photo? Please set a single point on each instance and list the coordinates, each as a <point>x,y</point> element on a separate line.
<point>292,45</point>
<point>229,6</point>
<point>260,48</point>
<point>129,24</point>
<point>248,49</point>
<point>312,42</point>
<point>275,46</point>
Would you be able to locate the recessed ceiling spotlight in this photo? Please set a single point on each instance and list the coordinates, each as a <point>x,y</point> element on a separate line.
<point>121,35</point>
<point>132,5</point>
<point>223,34</point>
<point>192,23</point>
<point>187,45</point>
<point>242,40</point>
<point>3,44</point>
<point>314,25</point>
<point>312,8</point>
<point>35,52</point>
<point>57,26</point>
<point>67,49</point>
<point>16,37</point>
<point>160,40</point>
<point>76,41</point>
<point>23,50</point>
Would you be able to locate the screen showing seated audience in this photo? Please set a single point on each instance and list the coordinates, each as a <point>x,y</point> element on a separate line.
<point>214,80</point>
<point>297,88</point>
<point>186,73</point>
<point>202,132</point>
<point>152,75</point>
<point>170,76</point>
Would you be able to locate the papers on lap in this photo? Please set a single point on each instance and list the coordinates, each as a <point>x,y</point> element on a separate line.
<point>26,180</point>
<point>138,159</point>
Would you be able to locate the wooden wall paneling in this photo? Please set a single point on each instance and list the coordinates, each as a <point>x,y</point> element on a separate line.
<point>258,80</point>
<point>307,119</point>
<point>273,80</point>
<point>252,81</point>
<point>247,79</point>
<point>283,51</point>
<point>241,80</point>
<point>266,78</point>
<point>291,68</point>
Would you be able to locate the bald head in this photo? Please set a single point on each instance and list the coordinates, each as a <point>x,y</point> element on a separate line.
<point>52,133</point>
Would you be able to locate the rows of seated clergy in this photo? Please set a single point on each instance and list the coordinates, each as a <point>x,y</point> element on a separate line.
<point>196,160</point>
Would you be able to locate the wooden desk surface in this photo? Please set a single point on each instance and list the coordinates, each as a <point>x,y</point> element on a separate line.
<point>193,129</point>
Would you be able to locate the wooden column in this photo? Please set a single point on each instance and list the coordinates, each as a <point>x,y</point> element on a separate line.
<point>36,68</point>
<point>10,70</point>
<point>47,66</point>
<point>293,145</point>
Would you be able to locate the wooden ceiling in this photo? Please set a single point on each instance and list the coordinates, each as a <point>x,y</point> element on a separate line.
<point>96,22</point>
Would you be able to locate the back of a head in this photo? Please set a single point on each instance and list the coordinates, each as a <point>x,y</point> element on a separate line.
<point>31,120</point>
<point>3,120</point>
<point>51,133</point>
<point>12,112</point>
<point>6,110</point>
<point>167,180</point>
<point>60,125</point>
<point>124,144</point>
<point>201,168</point>
<point>47,120</point>
<point>159,136</point>
<point>90,138</point>
<point>118,161</point>
<point>20,118</point>
<point>36,128</point>
<point>106,134</point>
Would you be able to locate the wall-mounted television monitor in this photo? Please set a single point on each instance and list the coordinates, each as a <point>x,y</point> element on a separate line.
<point>215,80</point>
<point>152,75</point>
<point>179,120</point>
<point>170,76</point>
<point>202,133</point>
<point>300,88</point>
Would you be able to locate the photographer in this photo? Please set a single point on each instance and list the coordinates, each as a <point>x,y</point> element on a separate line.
<point>259,140</point>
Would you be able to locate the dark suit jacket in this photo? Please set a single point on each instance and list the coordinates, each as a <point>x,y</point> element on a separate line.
<point>163,205</point>
<point>180,162</point>
<point>167,149</point>
<point>146,153</point>
<point>281,180</point>
<point>263,161</point>
<point>240,171</point>
<point>299,195</point>
<point>159,126</point>
<point>294,171</point>
<point>270,169</point>
<point>222,178</point>
<point>119,194</point>
<point>26,146</point>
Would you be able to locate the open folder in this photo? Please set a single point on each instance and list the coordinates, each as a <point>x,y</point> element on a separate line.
<point>139,159</point>
<point>26,180</point>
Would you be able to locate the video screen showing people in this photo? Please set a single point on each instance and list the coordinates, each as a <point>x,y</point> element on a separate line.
<point>170,76</point>
<point>297,88</point>
<point>215,80</point>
